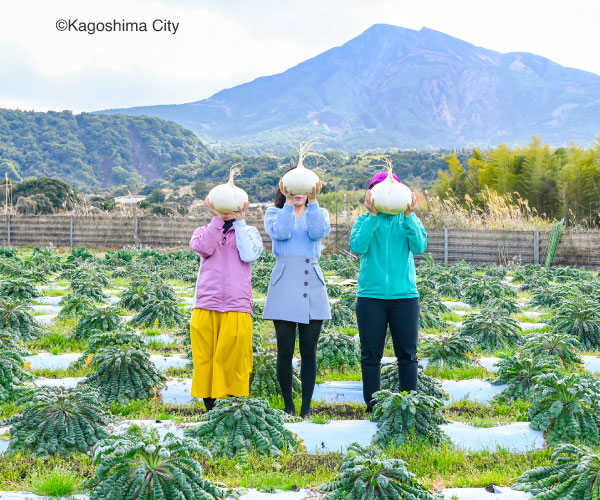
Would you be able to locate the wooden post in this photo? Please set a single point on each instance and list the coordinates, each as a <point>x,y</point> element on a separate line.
<point>445,246</point>
<point>136,229</point>
<point>8,229</point>
<point>71,233</point>
<point>536,247</point>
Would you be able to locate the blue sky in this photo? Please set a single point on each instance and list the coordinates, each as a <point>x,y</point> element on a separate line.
<point>224,43</point>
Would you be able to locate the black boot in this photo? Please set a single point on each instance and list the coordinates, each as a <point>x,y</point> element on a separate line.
<point>209,403</point>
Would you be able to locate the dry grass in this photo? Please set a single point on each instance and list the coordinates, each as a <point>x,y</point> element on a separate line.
<point>497,212</point>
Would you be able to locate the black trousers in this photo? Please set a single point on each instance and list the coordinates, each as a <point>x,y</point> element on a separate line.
<point>286,340</point>
<point>373,317</point>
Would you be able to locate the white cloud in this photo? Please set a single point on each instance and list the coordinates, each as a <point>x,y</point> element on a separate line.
<point>222,43</point>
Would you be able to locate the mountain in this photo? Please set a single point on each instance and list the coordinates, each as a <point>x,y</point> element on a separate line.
<point>396,87</point>
<point>88,150</point>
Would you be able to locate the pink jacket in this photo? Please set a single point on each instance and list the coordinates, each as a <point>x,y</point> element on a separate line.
<point>225,276</point>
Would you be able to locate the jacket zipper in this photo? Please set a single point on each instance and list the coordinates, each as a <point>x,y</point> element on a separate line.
<point>387,259</point>
<point>223,281</point>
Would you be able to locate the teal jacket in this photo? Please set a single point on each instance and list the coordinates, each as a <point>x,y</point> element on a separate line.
<point>386,244</point>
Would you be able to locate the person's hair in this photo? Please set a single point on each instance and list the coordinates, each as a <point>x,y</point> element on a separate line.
<point>280,197</point>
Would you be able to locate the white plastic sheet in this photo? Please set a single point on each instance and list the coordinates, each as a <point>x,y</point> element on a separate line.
<point>516,436</point>
<point>334,436</point>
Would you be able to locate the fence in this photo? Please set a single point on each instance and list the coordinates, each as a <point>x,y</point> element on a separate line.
<point>476,246</point>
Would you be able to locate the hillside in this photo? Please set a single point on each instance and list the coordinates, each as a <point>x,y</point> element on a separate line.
<point>88,150</point>
<point>396,87</point>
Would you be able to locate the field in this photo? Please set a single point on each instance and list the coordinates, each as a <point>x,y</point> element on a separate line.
<point>96,344</point>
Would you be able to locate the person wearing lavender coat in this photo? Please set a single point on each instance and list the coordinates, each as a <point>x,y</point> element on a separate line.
<point>297,296</point>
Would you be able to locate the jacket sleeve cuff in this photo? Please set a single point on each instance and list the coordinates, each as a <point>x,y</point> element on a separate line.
<point>313,206</point>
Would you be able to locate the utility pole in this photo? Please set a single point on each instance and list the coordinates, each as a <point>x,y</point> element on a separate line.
<point>5,193</point>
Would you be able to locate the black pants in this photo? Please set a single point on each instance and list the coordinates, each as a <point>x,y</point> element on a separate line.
<point>373,317</point>
<point>286,340</point>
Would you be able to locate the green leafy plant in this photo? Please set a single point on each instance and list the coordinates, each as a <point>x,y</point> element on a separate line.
<point>348,298</point>
<point>58,421</point>
<point>257,312</point>
<point>337,351</point>
<point>425,384</point>
<point>508,304</point>
<point>159,313</point>
<point>548,295</point>
<point>79,254</point>
<point>142,466</point>
<point>492,329</point>
<point>12,375</point>
<point>75,305</point>
<point>341,315</point>
<point>367,473</point>
<point>334,290</point>
<point>566,409</point>
<point>101,340</point>
<point>431,309</point>
<point>263,378</point>
<point>519,370</point>
<point>580,318</point>
<point>103,319</point>
<point>575,475</point>
<point>134,297</point>
<point>236,426</point>
<point>481,289</point>
<point>407,415</point>
<point>554,344</point>
<point>124,374</point>
<point>452,350</point>
<point>16,319</point>
<point>18,289</point>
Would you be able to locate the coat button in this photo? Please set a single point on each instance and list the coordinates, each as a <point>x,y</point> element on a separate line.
<point>306,272</point>
<point>305,295</point>
<point>306,283</point>
<point>307,261</point>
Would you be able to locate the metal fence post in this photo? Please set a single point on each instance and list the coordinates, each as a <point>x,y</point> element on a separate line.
<point>71,233</point>
<point>8,229</point>
<point>445,246</point>
<point>536,247</point>
<point>136,229</point>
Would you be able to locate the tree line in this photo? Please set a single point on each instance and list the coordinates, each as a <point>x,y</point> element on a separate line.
<point>557,182</point>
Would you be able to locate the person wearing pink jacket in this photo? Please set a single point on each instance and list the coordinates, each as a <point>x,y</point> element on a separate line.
<point>221,323</point>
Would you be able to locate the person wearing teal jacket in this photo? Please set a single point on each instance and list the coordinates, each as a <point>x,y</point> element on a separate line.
<point>387,290</point>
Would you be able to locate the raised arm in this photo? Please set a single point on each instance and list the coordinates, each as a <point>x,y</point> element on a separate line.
<point>279,222</point>
<point>206,238</point>
<point>248,241</point>
<point>417,236</point>
<point>362,233</point>
<point>317,221</point>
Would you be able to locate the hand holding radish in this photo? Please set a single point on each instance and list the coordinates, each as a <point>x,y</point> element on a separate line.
<point>370,203</point>
<point>412,206</point>
<point>312,196</point>
<point>289,197</point>
<point>241,213</point>
<point>216,213</point>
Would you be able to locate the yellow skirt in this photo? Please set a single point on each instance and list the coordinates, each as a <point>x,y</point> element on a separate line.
<point>222,353</point>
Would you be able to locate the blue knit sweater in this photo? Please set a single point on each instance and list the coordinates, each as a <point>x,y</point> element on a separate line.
<point>297,236</point>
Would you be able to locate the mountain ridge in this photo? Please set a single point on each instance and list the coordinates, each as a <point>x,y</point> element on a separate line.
<point>396,87</point>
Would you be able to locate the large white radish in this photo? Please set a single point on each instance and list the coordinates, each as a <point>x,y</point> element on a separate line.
<point>391,196</point>
<point>228,197</point>
<point>300,180</point>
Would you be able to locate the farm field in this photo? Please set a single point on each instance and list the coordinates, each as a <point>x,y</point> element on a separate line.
<point>95,378</point>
